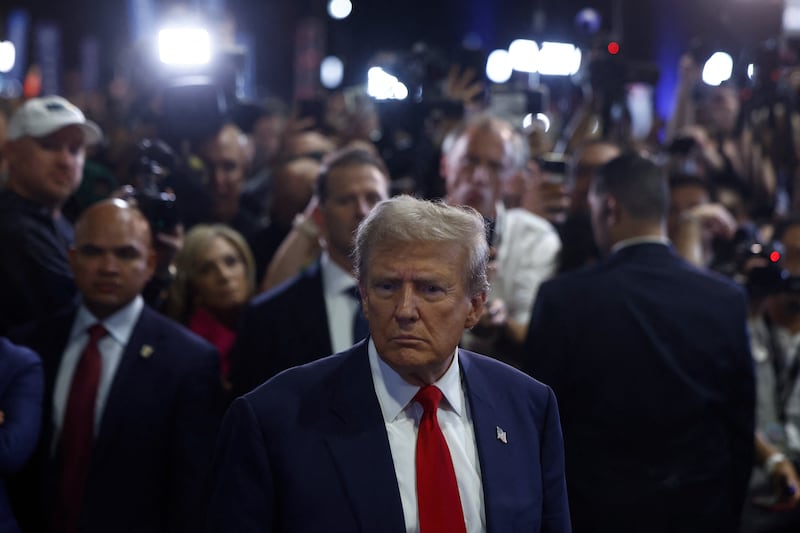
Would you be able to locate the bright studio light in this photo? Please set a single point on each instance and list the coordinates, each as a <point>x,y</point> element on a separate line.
<point>384,86</point>
<point>524,55</point>
<point>331,72</point>
<point>184,46</point>
<point>559,59</point>
<point>340,9</point>
<point>498,66</point>
<point>8,55</point>
<point>718,68</point>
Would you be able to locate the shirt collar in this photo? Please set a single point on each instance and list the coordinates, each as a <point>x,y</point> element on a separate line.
<point>639,240</point>
<point>335,279</point>
<point>395,394</point>
<point>119,325</point>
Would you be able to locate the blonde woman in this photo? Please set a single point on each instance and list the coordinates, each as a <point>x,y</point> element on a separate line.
<point>215,277</point>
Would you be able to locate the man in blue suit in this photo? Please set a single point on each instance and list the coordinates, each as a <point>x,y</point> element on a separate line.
<point>312,315</point>
<point>650,360</point>
<point>333,445</point>
<point>21,386</point>
<point>133,457</point>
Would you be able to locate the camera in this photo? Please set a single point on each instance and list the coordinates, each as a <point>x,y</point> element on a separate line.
<point>681,145</point>
<point>154,161</point>
<point>760,268</point>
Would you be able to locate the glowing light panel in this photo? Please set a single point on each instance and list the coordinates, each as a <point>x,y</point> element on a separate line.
<point>8,55</point>
<point>331,72</point>
<point>184,46</point>
<point>524,55</point>
<point>559,59</point>
<point>498,66</point>
<point>384,86</point>
<point>340,9</point>
<point>718,68</point>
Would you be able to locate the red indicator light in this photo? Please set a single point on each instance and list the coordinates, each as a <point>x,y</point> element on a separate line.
<point>613,48</point>
<point>775,257</point>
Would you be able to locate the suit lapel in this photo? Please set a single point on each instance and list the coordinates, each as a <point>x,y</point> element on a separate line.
<point>488,420</point>
<point>124,384</point>
<point>360,447</point>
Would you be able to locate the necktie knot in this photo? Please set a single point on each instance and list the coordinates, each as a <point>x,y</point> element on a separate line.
<point>429,398</point>
<point>96,332</point>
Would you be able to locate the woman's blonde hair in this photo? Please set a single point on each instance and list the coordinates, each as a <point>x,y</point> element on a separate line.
<point>180,303</point>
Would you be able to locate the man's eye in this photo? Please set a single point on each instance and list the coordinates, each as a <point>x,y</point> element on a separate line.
<point>90,251</point>
<point>384,286</point>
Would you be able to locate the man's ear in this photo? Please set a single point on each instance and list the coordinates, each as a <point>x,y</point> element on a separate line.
<point>476,305</point>
<point>317,217</point>
<point>443,167</point>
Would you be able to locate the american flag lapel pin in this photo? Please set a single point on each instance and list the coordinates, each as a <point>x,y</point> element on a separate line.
<point>501,435</point>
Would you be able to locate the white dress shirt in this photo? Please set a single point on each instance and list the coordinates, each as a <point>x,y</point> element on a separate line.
<point>340,305</point>
<point>402,416</point>
<point>119,327</point>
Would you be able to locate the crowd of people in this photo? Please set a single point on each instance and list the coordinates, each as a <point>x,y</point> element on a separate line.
<point>604,344</point>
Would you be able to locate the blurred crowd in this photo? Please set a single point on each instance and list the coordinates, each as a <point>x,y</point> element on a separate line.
<point>251,215</point>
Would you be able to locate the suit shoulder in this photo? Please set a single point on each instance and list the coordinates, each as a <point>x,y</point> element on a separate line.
<point>288,291</point>
<point>181,337</point>
<point>512,379</point>
<point>298,380</point>
<point>20,356</point>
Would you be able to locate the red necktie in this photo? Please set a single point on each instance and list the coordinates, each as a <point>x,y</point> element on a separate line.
<point>77,434</point>
<point>438,501</point>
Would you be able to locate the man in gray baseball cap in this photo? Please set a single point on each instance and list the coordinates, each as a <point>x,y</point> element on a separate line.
<point>45,151</point>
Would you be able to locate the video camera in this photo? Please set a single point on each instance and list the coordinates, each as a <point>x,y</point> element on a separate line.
<point>758,266</point>
<point>153,163</point>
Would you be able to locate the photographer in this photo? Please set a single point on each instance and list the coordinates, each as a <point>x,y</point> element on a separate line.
<point>775,341</point>
<point>717,140</point>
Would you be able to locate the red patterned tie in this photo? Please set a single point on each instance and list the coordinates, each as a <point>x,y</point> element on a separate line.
<point>77,434</point>
<point>438,501</point>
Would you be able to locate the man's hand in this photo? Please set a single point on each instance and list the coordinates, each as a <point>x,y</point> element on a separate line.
<point>786,486</point>
<point>545,198</point>
<point>462,85</point>
<point>713,218</point>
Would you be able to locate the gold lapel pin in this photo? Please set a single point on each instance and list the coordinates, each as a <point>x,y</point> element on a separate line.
<point>146,351</point>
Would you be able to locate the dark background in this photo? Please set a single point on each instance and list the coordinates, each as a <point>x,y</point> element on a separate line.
<point>648,30</point>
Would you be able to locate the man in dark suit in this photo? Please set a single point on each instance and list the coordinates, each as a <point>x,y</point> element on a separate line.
<point>344,443</point>
<point>21,385</point>
<point>130,454</point>
<point>312,315</point>
<point>650,361</point>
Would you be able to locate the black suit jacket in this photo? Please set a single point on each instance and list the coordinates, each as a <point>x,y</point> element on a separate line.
<point>156,435</point>
<point>284,327</point>
<point>649,358</point>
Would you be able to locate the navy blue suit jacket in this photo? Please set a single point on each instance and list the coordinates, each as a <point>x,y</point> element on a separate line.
<point>308,451</point>
<point>649,358</point>
<point>156,436</point>
<point>21,390</point>
<point>284,327</point>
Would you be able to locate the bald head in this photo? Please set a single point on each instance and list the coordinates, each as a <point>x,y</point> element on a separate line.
<point>112,258</point>
<point>292,188</point>
<point>227,157</point>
